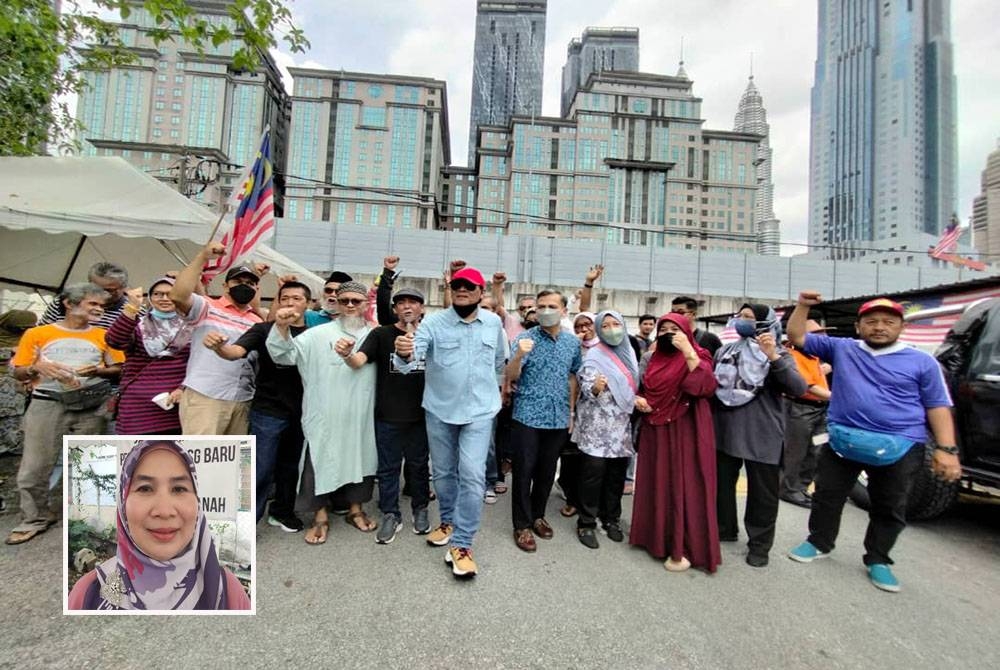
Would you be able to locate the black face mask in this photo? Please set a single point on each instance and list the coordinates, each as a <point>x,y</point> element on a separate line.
<point>665,343</point>
<point>465,310</point>
<point>242,294</point>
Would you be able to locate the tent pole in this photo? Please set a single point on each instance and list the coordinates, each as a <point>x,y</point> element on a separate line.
<point>72,262</point>
<point>172,253</point>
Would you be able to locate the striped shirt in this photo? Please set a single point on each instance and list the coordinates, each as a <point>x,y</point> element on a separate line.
<point>208,373</point>
<point>142,378</point>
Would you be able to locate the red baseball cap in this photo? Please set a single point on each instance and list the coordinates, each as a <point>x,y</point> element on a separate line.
<point>471,275</point>
<point>883,304</point>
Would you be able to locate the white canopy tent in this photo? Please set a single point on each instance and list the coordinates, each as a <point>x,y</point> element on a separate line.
<point>59,216</point>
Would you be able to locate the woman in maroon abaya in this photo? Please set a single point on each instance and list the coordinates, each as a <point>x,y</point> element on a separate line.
<point>674,515</point>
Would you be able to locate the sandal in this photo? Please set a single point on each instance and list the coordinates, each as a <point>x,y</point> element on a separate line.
<point>319,532</point>
<point>568,511</point>
<point>21,536</point>
<point>366,525</point>
<point>500,487</point>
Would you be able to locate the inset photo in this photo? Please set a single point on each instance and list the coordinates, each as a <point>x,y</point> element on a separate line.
<point>159,524</point>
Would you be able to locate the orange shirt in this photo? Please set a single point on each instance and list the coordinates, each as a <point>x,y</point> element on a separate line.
<point>809,369</point>
<point>75,348</point>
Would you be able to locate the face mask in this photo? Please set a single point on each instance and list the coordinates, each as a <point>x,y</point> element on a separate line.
<point>242,294</point>
<point>548,317</point>
<point>163,316</point>
<point>465,310</point>
<point>614,336</point>
<point>745,327</point>
<point>665,343</point>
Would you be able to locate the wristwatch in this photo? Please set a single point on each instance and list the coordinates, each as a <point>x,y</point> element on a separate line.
<point>948,450</point>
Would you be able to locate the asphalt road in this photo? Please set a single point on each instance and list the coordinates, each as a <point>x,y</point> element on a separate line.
<point>354,604</point>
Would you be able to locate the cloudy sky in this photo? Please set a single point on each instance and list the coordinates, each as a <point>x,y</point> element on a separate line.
<point>435,38</point>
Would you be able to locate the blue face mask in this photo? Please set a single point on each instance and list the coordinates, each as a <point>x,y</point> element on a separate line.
<point>157,314</point>
<point>745,327</point>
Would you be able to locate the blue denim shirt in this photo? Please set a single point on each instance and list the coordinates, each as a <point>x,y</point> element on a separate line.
<point>464,365</point>
<point>542,396</point>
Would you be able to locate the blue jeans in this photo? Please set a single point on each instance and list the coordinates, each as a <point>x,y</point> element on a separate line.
<point>458,453</point>
<point>279,449</point>
<point>396,442</point>
<point>492,465</point>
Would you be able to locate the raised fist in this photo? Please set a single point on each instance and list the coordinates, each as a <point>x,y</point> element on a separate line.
<point>525,345</point>
<point>404,345</point>
<point>390,263</point>
<point>343,346</point>
<point>214,339</point>
<point>499,278</point>
<point>810,298</point>
<point>134,296</point>
<point>285,316</point>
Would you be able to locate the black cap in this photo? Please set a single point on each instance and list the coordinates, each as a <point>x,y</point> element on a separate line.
<point>408,293</point>
<point>339,277</point>
<point>242,270</point>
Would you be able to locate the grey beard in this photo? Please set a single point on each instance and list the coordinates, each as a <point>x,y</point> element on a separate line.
<point>352,324</point>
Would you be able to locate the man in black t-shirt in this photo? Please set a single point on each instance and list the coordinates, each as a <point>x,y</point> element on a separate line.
<point>276,410</point>
<point>400,432</point>
<point>688,308</point>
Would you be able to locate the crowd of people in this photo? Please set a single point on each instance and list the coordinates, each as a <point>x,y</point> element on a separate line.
<point>359,387</point>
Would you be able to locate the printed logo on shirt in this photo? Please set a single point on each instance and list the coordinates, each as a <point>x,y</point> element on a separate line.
<point>418,366</point>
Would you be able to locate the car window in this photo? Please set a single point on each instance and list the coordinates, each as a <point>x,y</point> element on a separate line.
<point>985,359</point>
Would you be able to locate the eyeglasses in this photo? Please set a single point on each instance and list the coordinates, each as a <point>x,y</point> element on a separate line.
<point>351,301</point>
<point>460,284</point>
<point>329,289</point>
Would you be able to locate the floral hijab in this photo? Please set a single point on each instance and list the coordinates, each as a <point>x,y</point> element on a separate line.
<point>134,581</point>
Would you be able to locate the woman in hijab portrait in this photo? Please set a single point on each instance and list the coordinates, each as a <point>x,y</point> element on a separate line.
<point>753,374</point>
<point>166,558</point>
<point>608,381</point>
<point>673,516</point>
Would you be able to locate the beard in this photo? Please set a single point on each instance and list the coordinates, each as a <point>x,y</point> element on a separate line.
<point>352,324</point>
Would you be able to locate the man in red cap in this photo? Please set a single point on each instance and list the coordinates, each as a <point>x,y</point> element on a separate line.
<point>885,395</point>
<point>463,349</point>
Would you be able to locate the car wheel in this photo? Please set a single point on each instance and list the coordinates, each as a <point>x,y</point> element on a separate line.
<point>930,496</point>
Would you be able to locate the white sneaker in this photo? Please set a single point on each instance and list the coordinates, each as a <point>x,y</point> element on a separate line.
<point>490,497</point>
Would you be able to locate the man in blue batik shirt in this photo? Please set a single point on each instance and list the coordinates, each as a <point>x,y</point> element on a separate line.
<point>464,349</point>
<point>543,365</point>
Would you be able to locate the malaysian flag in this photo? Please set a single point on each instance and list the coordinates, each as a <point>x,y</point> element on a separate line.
<point>929,333</point>
<point>254,219</point>
<point>949,240</point>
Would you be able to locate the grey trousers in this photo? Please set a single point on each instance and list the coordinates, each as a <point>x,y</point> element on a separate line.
<point>798,462</point>
<point>45,423</point>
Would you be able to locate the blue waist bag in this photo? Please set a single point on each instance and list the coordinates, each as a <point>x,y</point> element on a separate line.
<point>868,447</point>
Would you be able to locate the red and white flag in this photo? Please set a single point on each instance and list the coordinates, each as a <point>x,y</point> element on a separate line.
<point>253,221</point>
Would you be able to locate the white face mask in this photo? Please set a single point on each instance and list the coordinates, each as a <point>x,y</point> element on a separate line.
<point>548,317</point>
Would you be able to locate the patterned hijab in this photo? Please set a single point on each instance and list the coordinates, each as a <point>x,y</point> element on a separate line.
<point>164,338</point>
<point>617,364</point>
<point>741,367</point>
<point>192,580</point>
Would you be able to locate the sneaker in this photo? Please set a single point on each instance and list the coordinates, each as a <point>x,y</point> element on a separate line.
<point>882,577</point>
<point>490,497</point>
<point>421,521</point>
<point>441,535</point>
<point>614,532</point>
<point>806,553</point>
<point>460,560</point>
<point>388,528</point>
<point>291,524</point>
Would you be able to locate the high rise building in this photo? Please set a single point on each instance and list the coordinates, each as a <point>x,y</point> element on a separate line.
<point>751,117</point>
<point>186,118</point>
<point>366,149</point>
<point>507,64</point>
<point>882,154</point>
<point>598,50</point>
<point>632,164</point>
<point>986,211</point>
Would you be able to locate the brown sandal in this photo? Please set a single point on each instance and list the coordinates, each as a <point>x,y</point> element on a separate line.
<point>22,536</point>
<point>366,526</point>
<point>318,538</point>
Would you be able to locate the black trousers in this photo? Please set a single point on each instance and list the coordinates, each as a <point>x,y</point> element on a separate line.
<point>761,514</point>
<point>798,460</point>
<point>888,490</point>
<point>535,452</point>
<point>602,481</point>
<point>569,473</point>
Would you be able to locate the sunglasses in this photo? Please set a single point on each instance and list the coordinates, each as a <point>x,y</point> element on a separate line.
<point>459,284</point>
<point>329,289</point>
<point>351,301</point>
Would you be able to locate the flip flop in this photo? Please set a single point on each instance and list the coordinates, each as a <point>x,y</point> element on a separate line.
<point>21,536</point>
<point>369,524</point>
<point>324,526</point>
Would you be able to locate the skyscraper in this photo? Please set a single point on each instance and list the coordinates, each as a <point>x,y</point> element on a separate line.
<point>751,117</point>
<point>986,211</point>
<point>598,50</point>
<point>507,64</point>
<point>882,154</point>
